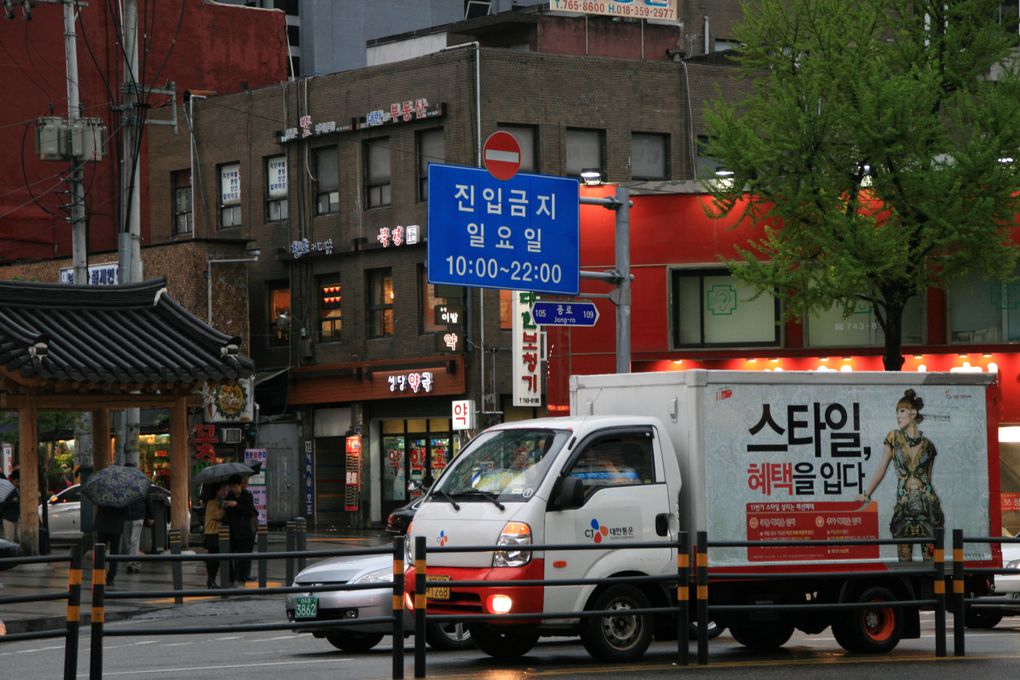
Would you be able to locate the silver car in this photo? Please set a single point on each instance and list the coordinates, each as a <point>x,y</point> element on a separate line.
<point>360,604</point>
<point>63,512</point>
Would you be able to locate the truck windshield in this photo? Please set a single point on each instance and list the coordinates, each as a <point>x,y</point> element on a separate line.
<point>504,465</point>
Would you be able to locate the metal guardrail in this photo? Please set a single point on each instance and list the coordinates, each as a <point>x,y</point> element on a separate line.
<point>690,579</point>
<point>960,574</point>
<point>73,597</point>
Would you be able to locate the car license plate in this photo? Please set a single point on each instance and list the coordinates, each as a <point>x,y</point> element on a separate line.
<point>437,592</point>
<point>306,607</point>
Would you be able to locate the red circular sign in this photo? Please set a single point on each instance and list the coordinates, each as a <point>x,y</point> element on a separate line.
<point>501,155</point>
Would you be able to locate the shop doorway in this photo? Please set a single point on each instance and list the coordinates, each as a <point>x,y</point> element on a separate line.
<point>414,450</point>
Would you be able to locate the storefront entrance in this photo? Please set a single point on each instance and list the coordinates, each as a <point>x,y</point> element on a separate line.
<point>413,450</point>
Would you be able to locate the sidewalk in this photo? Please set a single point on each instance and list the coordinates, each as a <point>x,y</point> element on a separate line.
<point>37,579</point>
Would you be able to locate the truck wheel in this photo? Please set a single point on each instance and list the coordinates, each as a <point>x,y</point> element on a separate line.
<point>354,642</point>
<point>448,636</point>
<point>874,630</point>
<point>714,630</point>
<point>981,619</point>
<point>503,642</point>
<point>619,636</point>
<point>762,637</point>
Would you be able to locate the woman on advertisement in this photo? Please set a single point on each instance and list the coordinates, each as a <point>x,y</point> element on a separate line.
<point>918,511</point>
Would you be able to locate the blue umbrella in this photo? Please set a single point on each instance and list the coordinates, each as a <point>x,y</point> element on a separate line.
<point>116,486</point>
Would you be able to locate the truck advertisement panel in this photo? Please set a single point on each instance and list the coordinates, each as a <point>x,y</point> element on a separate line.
<point>844,461</point>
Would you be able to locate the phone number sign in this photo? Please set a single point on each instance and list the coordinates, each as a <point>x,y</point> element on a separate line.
<point>519,234</point>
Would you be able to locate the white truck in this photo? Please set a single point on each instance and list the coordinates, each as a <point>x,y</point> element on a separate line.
<point>744,456</point>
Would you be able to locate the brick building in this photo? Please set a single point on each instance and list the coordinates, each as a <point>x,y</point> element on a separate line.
<point>327,177</point>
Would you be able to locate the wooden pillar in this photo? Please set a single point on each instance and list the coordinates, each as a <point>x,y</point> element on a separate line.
<point>103,455</point>
<point>179,467</point>
<point>28,448</point>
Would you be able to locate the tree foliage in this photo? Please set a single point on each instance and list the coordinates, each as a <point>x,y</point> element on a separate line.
<point>875,132</point>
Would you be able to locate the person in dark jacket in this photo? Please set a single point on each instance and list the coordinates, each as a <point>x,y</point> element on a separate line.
<point>242,517</point>
<point>109,529</point>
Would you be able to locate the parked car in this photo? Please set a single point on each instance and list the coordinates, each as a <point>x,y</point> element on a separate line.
<point>64,512</point>
<point>400,519</point>
<point>360,604</point>
<point>1006,589</point>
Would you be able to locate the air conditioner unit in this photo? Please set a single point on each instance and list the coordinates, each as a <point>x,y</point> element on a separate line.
<point>231,435</point>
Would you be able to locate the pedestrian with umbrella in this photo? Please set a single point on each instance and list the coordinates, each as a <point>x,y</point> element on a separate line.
<point>221,472</point>
<point>112,489</point>
<point>213,495</point>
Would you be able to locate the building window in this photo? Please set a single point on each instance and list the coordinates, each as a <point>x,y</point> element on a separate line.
<point>429,302</point>
<point>380,302</point>
<point>527,139</point>
<point>983,311</point>
<point>585,151</point>
<point>327,181</point>
<point>276,189</point>
<point>712,308</point>
<point>331,318</point>
<point>709,167</point>
<point>230,195</point>
<point>431,149</point>
<point>649,155</point>
<point>506,310</point>
<point>279,314</point>
<point>861,329</point>
<point>377,172</point>
<point>181,181</point>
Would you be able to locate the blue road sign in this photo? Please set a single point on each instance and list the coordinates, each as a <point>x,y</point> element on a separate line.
<point>565,313</point>
<point>519,234</point>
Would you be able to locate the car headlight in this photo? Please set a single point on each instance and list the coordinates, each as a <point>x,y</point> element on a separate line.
<point>513,534</point>
<point>377,576</point>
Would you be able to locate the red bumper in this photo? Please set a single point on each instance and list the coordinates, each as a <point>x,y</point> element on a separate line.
<point>475,599</point>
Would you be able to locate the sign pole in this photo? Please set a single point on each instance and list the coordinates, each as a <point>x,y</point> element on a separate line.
<point>623,287</point>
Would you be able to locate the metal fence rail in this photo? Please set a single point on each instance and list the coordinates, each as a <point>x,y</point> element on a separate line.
<point>73,596</point>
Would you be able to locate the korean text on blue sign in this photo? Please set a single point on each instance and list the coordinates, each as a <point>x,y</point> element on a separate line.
<point>520,234</point>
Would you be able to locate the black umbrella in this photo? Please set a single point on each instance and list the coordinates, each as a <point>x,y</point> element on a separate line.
<point>222,471</point>
<point>116,486</point>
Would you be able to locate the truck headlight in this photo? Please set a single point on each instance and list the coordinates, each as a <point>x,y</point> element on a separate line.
<point>514,534</point>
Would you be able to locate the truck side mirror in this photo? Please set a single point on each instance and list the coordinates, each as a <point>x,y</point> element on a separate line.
<point>569,495</point>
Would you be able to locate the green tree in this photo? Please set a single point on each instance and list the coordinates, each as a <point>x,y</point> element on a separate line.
<point>880,139</point>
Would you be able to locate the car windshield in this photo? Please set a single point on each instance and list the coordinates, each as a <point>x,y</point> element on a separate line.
<point>503,465</point>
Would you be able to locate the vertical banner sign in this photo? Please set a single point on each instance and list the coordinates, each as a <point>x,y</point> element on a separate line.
<point>7,458</point>
<point>230,184</point>
<point>309,480</point>
<point>277,180</point>
<point>526,355</point>
<point>463,416</point>
<point>257,483</point>
<point>352,487</point>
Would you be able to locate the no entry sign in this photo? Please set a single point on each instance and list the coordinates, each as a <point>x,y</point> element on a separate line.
<point>501,155</point>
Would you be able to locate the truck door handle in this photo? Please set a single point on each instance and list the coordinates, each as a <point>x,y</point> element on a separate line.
<point>662,524</point>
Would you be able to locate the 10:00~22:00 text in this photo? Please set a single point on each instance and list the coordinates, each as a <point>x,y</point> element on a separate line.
<point>489,268</point>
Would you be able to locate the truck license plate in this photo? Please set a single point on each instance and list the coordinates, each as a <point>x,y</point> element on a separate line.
<point>306,607</point>
<point>437,592</point>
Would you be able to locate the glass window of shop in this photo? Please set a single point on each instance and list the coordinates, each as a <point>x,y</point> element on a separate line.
<point>983,311</point>
<point>831,328</point>
<point>413,450</point>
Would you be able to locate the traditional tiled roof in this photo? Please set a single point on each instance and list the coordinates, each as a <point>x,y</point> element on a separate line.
<point>110,335</point>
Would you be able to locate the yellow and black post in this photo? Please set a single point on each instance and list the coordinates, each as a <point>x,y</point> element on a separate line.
<point>420,599</point>
<point>940,592</point>
<point>98,611</point>
<point>398,607</point>
<point>73,614</point>
<point>683,617</point>
<point>225,567</point>
<point>263,537</point>
<point>959,606</point>
<point>701,556</point>
<point>176,543</point>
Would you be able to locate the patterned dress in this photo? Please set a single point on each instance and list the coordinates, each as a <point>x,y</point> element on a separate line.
<point>918,511</point>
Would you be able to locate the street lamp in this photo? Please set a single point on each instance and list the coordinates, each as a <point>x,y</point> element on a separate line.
<point>253,256</point>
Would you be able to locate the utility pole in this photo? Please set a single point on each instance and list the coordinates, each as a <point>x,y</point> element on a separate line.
<point>131,232</point>
<point>77,192</point>
<point>620,276</point>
